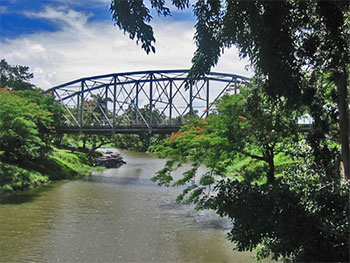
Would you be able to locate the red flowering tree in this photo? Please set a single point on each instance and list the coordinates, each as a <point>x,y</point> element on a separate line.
<point>301,214</point>
<point>247,124</point>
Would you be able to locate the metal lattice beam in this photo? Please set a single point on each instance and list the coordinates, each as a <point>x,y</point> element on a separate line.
<point>135,102</point>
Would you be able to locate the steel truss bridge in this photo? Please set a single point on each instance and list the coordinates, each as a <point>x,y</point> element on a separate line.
<point>140,102</point>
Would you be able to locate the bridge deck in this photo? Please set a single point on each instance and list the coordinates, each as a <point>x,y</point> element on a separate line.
<point>138,129</point>
<point>132,129</point>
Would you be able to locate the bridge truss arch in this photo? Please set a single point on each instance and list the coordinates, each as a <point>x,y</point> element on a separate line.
<point>144,101</point>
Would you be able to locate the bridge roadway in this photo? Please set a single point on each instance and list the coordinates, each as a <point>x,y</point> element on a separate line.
<point>122,129</point>
<point>139,129</point>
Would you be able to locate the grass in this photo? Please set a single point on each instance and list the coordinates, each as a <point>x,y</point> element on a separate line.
<point>247,168</point>
<point>65,164</point>
<point>61,164</point>
<point>14,178</point>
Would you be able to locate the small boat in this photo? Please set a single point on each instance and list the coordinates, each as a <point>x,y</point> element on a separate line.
<point>110,159</point>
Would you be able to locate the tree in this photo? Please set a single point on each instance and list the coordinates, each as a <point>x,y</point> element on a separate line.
<point>284,40</point>
<point>15,77</point>
<point>28,118</point>
<point>20,124</point>
<point>297,211</point>
<point>248,125</point>
<point>297,220</point>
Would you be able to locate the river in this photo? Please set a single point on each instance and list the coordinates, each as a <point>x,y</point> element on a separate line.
<point>117,215</point>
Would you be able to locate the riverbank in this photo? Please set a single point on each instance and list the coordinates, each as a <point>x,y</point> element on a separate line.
<point>59,165</point>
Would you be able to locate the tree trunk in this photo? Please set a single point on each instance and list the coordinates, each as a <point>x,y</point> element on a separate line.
<point>95,146</point>
<point>271,172</point>
<point>344,122</point>
<point>84,141</point>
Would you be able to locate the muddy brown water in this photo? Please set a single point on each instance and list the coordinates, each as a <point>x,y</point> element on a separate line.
<point>117,215</point>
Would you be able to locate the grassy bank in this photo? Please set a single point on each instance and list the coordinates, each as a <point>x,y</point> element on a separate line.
<point>61,164</point>
<point>250,169</point>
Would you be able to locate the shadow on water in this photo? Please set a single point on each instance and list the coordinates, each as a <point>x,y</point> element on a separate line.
<point>26,196</point>
<point>17,199</point>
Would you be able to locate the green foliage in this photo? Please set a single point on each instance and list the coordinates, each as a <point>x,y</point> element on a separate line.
<point>251,170</point>
<point>284,40</point>
<point>27,130</point>
<point>128,141</point>
<point>302,214</point>
<point>14,77</point>
<point>132,17</point>
<point>323,108</point>
<point>61,164</point>
<point>14,178</point>
<point>46,102</point>
<point>19,127</point>
<point>245,125</point>
<point>311,225</point>
<point>301,50</point>
<point>64,164</point>
<point>279,37</point>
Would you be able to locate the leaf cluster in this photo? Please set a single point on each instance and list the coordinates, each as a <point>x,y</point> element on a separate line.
<point>15,77</point>
<point>248,125</point>
<point>302,215</point>
<point>134,17</point>
<point>23,124</point>
<point>278,219</point>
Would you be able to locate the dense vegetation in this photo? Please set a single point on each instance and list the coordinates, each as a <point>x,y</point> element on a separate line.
<point>299,47</point>
<point>290,198</point>
<point>59,164</point>
<point>263,174</point>
<point>28,140</point>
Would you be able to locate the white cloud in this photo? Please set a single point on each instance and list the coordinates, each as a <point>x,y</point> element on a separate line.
<point>63,16</point>
<point>82,48</point>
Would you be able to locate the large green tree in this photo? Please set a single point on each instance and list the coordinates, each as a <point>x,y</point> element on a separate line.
<point>262,175</point>
<point>287,41</point>
<point>27,117</point>
<point>21,124</point>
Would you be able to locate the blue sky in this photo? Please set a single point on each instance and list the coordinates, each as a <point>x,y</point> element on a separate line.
<point>15,22</point>
<point>62,40</point>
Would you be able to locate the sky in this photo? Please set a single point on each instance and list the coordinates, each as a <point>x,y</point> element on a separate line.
<point>64,40</point>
